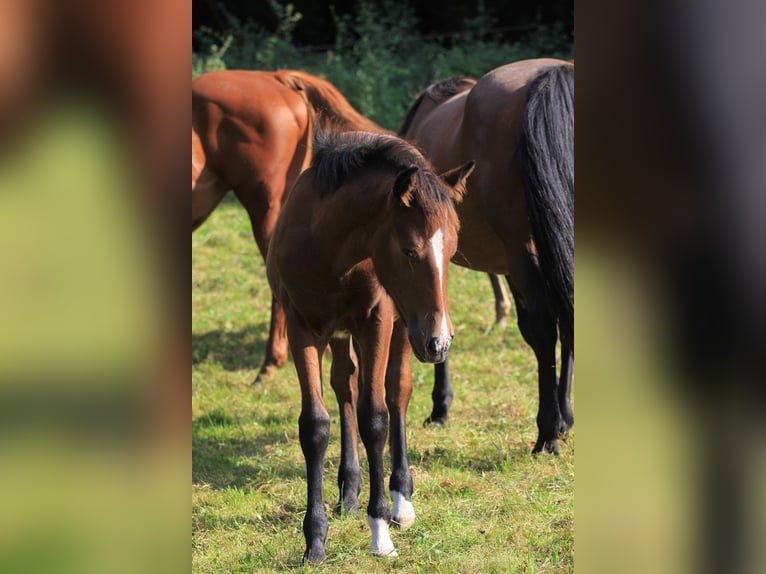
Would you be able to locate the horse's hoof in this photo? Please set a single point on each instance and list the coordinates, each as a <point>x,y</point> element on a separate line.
<point>266,372</point>
<point>314,556</point>
<point>548,446</point>
<point>435,420</point>
<point>342,509</point>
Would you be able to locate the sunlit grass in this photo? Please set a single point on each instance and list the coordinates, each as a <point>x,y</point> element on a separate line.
<point>483,503</point>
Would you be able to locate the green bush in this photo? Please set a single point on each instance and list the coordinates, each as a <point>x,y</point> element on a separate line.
<point>380,62</point>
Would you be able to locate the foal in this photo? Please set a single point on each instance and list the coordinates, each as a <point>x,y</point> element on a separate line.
<point>358,260</point>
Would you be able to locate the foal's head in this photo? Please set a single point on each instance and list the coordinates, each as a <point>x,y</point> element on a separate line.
<point>415,233</point>
<point>412,260</point>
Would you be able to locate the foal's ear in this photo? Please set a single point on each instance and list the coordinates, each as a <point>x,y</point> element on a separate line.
<point>456,178</point>
<point>404,186</point>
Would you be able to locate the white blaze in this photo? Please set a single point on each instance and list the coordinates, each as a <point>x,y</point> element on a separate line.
<point>437,244</point>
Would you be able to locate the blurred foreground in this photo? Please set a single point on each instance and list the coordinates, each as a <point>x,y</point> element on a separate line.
<point>94,346</point>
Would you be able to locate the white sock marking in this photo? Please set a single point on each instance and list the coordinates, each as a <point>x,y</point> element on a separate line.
<point>381,539</point>
<point>437,244</point>
<point>404,512</point>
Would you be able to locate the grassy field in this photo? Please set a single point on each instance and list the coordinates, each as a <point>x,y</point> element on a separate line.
<point>483,503</point>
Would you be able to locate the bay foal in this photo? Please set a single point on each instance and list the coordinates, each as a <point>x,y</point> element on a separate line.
<point>358,260</point>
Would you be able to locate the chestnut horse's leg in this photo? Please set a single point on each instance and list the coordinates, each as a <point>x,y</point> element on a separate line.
<point>398,393</point>
<point>502,302</point>
<point>441,395</point>
<point>262,203</point>
<point>565,386</point>
<point>314,432</point>
<point>207,188</point>
<point>344,378</point>
<point>374,345</point>
<point>538,327</point>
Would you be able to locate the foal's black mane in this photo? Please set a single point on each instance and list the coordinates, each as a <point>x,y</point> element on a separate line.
<point>339,156</point>
<point>438,92</point>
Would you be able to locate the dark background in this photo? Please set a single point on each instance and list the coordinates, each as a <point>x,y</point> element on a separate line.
<point>512,18</point>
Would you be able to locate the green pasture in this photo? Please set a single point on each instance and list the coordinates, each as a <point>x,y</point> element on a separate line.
<point>483,503</point>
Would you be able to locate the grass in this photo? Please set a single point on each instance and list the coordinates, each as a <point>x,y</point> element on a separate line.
<point>483,503</point>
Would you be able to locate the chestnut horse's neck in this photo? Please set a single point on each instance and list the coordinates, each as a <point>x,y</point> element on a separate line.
<point>331,109</point>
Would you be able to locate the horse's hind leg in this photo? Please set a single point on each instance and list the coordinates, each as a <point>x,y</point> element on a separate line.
<point>502,302</point>
<point>398,393</point>
<point>538,327</point>
<point>565,386</point>
<point>441,395</point>
<point>344,378</point>
<point>207,189</point>
<point>276,345</point>
<point>262,203</point>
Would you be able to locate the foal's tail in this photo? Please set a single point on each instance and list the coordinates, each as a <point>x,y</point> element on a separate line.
<point>547,164</point>
<point>331,110</point>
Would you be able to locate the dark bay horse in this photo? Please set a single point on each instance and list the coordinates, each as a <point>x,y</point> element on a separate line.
<point>517,218</point>
<point>358,260</point>
<point>251,133</point>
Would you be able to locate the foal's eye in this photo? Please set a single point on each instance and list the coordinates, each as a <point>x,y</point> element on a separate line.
<point>409,253</point>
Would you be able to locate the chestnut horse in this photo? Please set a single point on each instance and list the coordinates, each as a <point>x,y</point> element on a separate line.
<point>251,133</point>
<point>358,260</point>
<point>517,219</point>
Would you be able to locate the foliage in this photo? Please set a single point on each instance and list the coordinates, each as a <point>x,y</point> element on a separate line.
<point>483,503</point>
<point>379,60</point>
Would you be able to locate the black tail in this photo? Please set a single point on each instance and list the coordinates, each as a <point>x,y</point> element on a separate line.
<point>547,164</point>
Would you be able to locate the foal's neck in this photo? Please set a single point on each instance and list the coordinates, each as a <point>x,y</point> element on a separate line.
<point>348,223</point>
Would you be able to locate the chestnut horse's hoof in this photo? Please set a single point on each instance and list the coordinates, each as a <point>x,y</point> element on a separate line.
<point>266,372</point>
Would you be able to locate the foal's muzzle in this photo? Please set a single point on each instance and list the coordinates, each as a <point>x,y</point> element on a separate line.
<point>434,350</point>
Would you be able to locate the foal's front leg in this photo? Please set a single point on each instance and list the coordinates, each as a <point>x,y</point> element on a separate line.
<point>344,378</point>
<point>314,432</point>
<point>374,344</point>
<point>398,393</point>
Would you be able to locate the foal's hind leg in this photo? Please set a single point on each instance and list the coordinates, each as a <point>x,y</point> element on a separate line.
<point>344,378</point>
<point>538,327</point>
<point>398,393</point>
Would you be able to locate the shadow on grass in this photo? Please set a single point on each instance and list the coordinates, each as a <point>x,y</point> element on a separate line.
<point>234,350</point>
<point>499,460</point>
<point>236,460</point>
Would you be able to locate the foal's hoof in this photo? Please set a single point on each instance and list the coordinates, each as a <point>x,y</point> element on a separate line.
<point>403,511</point>
<point>382,545</point>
